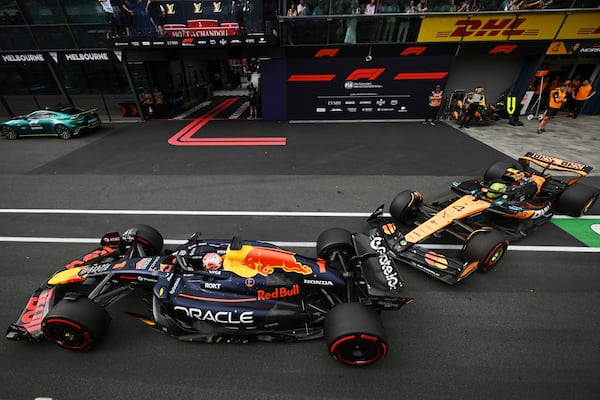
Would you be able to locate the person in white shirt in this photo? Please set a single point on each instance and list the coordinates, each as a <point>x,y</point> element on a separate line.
<point>370,8</point>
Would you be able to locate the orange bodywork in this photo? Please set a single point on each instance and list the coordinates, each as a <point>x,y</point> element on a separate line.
<point>463,207</point>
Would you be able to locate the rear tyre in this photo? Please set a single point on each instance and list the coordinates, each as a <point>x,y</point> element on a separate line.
<point>485,246</point>
<point>354,334</point>
<point>9,132</point>
<point>497,170</point>
<point>76,323</point>
<point>63,132</point>
<point>149,238</point>
<point>576,199</point>
<point>405,206</point>
<point>334,240</point>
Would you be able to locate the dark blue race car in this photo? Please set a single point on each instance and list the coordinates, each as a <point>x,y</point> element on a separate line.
<point>224,290</point>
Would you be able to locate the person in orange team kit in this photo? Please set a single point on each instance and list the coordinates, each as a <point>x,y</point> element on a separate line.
<point>558,97</point>
<point>583,93</point>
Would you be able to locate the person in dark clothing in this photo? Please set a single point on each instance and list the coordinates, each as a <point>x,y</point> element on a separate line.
<point>253,95</point>
<point>127,17</point>
<point>472,103</point>
<point>157,14</point>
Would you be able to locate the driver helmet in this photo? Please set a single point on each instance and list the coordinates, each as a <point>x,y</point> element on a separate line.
<point>514,174</point>
<point>498,188</point>
<point>212,261</point>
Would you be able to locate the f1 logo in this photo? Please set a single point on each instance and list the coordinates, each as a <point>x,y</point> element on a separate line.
<point>365,73</point>
<point>326,53</point>
<point>503,48</point>
<point>414,50</point>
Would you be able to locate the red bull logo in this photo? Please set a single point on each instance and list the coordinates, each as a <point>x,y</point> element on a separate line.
<point>250,261</point>
<point>278,293</point>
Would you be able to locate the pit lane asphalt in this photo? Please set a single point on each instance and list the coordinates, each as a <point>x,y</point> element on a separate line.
<point>528,329</point>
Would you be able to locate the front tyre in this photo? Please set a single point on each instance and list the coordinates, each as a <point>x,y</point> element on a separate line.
<point>76,323</point>
<point>576,200</point>
<point>63,132</point>
<point>354,334</point>
<point>405,206</point>
<point>149,238</point>
<point>334,240</point>
<point>486,247</point>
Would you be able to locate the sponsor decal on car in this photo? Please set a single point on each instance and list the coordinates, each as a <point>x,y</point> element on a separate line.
<point>219,317</point>
<point>278,293</point>
<point>391,276</point>
<point>35,311</point>
<point>250,261</point>
<point>318,282</point>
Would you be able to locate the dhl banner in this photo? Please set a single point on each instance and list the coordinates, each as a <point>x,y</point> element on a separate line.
<point>581,26</point>
<point>496,27</point>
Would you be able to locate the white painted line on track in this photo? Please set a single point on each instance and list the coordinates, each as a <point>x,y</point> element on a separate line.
<point>215,213</point>
<point>183,212</point>
<point>245,105</point>
<point>549,249</point>
<point>192,110</point>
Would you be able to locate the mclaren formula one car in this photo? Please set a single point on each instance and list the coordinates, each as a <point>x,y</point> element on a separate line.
<point>223,291</point>
<point>512,200</point>
<point>64,122</point>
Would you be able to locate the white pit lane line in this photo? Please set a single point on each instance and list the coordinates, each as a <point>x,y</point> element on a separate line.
<point>26,239</point>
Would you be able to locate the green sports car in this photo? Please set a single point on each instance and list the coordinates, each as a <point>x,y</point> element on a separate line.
<point>65,122</point>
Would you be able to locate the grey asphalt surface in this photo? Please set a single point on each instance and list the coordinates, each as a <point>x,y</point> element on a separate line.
<point>528,329</point>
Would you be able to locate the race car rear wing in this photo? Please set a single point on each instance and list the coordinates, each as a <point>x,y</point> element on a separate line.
<point>555,164</point>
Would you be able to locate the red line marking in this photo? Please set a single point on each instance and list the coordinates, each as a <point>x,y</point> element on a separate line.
<point>185,136</point>
<point>311,78</point>
<point>420,75</point>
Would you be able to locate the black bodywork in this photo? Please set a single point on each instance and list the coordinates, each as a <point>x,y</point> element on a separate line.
<point>261,291</point>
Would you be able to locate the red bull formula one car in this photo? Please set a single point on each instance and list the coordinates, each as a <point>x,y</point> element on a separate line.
<point>512,200</point>
<point>224,290</point>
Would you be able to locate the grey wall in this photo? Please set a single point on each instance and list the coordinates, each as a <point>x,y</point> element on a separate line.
<point>495,74</point>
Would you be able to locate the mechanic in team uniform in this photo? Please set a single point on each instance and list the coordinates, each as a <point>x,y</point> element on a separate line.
<point>433,107</point>
<point>558,97</point>
<point>583,93</point>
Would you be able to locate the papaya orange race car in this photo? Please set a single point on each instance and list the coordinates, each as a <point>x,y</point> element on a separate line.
<point>510,201</point>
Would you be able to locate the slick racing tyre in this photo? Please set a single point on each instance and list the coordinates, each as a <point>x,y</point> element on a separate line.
<point>486,246</point>
<point>63,132</point>
<point>76,323</point>
<point>149,238</point>
<point>334,240</point>
<point>354,334</point>
<point>576,200</point>
<point>405,206</point>
<point>497,169</point>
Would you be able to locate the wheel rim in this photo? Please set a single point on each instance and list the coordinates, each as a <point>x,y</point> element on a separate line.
<point>495,255</point>
<point>66,334</point>
<point>63,132</point>
<point>587,205</point>
<point>358,349</point>
<point>9,133</point>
